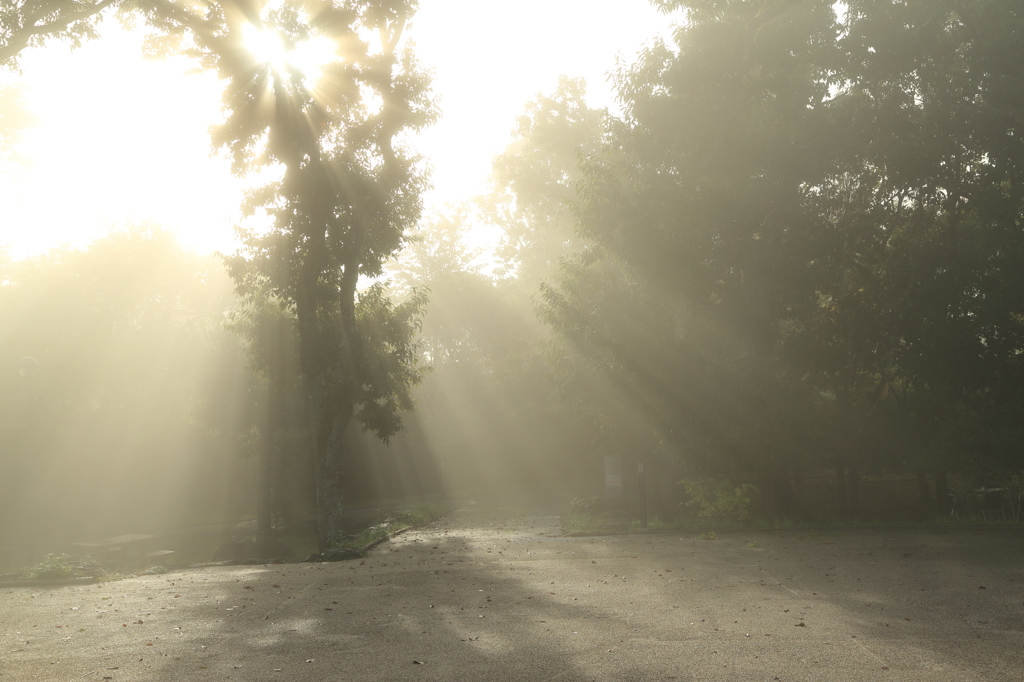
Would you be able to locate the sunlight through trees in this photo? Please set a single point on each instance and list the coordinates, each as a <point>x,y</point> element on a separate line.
<point>786,270</point>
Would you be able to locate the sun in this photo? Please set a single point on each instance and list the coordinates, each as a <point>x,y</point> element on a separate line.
<point>308,58</point>
<point>266,46</point>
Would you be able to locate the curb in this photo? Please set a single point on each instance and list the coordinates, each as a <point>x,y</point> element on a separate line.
<point>379,541</point>
<point>807,529</point>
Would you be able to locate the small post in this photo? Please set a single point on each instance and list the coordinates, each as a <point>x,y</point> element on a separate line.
<point>643,495</point>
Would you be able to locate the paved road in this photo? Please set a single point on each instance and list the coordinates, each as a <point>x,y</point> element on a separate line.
<point>482,596</point>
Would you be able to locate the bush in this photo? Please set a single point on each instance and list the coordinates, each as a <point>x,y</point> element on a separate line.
<point>407,517</point>
<point>52,567</point>
<point>719,499</point>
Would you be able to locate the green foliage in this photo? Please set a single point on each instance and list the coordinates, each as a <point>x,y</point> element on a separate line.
<point>532,196</point>
<point>719,500</point>
<point>368,536</point>
<point>407,517</point>
<point>419,515</point>
<point>52,567</point>
<point>390,357</point>
<point>653,524</point>
<point>348,193</point>
<point>487,376</point>
<point>31,23</point>
<point>806,253</point>
<point>710,535</point>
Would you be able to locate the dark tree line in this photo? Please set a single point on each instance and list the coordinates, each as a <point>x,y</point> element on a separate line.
<point>806,243</point>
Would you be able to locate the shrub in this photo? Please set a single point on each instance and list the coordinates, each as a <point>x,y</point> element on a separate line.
<point>719,499</point>
<point>52,567</point>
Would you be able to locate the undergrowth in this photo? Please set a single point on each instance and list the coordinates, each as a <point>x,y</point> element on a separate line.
<point>54,567</point>
<point>407,517</point>
<point>586,523</point>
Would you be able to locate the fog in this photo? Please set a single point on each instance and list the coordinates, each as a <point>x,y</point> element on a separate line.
<point>135,411</point>
<point>784,282</point>
<point>134,404</point>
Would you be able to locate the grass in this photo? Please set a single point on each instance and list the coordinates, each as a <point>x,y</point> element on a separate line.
<point>579,522</point>
<point>405,518</point>
<point>53,567</point>
<point>586,523</point>
<point>654,523</point>
<point>59,567</point>
<point>197,544</point>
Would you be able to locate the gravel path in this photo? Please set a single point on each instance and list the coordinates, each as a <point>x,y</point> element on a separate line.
<point>499,596</point>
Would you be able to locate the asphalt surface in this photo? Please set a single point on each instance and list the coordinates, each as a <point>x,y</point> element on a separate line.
<point>498,596</point>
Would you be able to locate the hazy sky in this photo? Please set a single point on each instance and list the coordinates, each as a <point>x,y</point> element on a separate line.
<point>123,139</point>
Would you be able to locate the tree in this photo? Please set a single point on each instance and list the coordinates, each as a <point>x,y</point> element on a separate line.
<point>31,23</point>
<point>819,231</point>
<point>140,405</point>
<point>440,259</point>
<point>285,466</point>
<point>347,193</point>
<point>531,199</point>
<point>699,226</point>
<point>921,265</point>
<point>348,189</point>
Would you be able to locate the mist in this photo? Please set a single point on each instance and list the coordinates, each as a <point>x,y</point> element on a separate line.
<point>774,285</point>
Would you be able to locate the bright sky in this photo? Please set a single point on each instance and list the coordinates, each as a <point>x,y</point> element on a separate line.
<point>121,139</point>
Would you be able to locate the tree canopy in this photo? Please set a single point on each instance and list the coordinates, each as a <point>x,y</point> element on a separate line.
<point>344,187</point>
<point>806,214</point>
<point>796,246</point>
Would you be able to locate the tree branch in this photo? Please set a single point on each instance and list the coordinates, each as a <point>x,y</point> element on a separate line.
<point>20,38</point>
<point>63,22</point>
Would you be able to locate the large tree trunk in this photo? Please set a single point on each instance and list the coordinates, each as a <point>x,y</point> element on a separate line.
<point>264,492</point>
<point>330,511</point>
<point>275,423</point>
<point>327,337</point>
<point>330,421</point>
